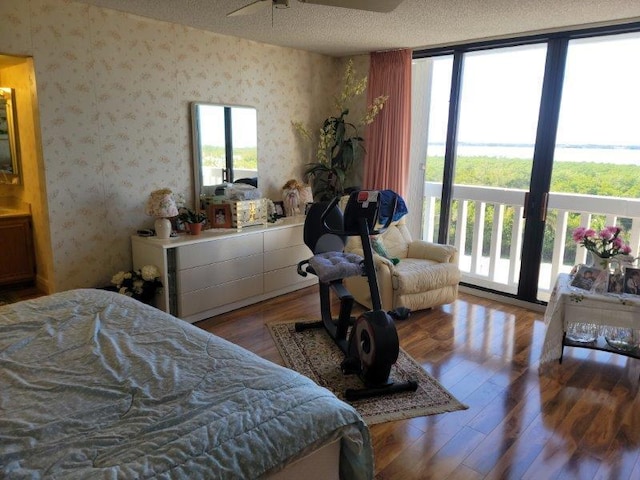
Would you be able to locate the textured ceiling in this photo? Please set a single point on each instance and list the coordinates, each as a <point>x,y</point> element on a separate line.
<point>413,24</point>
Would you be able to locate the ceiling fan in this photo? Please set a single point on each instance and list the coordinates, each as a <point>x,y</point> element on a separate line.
<point>382,6</point>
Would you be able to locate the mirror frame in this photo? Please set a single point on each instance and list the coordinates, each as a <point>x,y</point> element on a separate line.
<point>8,98</point>
<point>196,144</point>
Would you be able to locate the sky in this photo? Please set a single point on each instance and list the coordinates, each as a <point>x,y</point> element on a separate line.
<point>501,93</point>
<point>212,125</point>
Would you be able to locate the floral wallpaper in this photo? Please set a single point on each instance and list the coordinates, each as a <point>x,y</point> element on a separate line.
<point>113,94</point>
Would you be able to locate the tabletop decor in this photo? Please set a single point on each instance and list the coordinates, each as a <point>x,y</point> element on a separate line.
<point>192,219</point>
<point>141,284</point>
<point>602,245</point>
<point>340,145</point>
<point>162,205</point>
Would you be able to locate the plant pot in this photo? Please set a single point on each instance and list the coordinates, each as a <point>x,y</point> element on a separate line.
<point>194,228</point>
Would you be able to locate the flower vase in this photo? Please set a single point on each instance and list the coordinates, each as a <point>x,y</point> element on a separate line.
<point>596,261</point>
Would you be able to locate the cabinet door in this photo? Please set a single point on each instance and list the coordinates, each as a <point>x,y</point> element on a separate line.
<point>17,263</point>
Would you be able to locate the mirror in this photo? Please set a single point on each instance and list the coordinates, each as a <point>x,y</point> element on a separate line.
<point>225,146</point>
<point>9,151</point>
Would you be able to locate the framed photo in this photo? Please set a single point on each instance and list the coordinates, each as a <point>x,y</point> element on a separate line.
<point>585,277</point>
<point>279,206</point>
<point>219,215</point>
<point>632,281</point>
<point>616,283</point>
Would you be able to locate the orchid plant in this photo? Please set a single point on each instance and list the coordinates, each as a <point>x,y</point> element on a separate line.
<point>340,145</point>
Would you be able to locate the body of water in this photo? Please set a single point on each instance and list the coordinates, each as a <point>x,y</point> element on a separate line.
<point>612,154</point>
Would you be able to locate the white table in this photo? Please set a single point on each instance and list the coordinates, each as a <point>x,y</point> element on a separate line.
<point>573,305</point>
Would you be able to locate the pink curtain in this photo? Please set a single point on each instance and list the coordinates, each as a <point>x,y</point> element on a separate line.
<point>388,138</point>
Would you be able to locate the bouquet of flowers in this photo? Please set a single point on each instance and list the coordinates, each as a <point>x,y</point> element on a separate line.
<point>604,244</point>
<point>140,284</point>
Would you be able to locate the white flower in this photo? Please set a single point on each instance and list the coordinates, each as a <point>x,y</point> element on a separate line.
<point>150,272</point>
<point>117,278</point>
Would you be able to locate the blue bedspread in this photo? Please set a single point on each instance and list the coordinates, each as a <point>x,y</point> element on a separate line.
<point>94,384</point>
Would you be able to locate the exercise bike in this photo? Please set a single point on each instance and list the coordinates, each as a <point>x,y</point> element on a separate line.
<point>370,342</point>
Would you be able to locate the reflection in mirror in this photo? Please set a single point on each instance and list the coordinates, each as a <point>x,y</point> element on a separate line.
<point>9,151</point>
<point>225,145</point>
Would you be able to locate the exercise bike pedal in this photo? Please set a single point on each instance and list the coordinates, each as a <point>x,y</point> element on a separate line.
<point>351,366</point>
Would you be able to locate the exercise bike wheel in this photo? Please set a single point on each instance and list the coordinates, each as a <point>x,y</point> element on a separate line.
<point>375,343</point>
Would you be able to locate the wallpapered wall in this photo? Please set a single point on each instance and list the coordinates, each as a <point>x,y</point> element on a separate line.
<point>114,90</point>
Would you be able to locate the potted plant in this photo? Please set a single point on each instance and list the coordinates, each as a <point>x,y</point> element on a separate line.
<point>193,219</point>
<point>340,146</point>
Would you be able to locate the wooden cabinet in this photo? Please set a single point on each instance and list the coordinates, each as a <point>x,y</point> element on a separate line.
<point>221,270</point>
<point>17,259</point>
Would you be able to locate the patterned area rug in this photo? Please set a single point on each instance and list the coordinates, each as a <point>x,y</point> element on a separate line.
<point>314,354</point>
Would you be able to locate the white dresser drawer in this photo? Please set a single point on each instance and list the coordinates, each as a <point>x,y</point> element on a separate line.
<point>197,278</point>
<point>285,257</point>
<point>220,249</point>
<point>283,237</point>
<point>208,298</point>
<point>285,277</point>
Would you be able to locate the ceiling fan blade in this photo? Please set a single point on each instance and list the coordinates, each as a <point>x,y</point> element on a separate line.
<point>251,8</point>
<point>382,6</point>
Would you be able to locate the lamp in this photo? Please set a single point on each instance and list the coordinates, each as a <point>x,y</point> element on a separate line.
<point>161,205</point>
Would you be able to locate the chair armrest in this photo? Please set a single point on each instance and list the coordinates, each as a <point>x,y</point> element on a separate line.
<point>433,251</point>
<point>378,260</point>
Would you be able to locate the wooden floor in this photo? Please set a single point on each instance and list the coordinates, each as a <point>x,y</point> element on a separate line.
<point>577,420</point>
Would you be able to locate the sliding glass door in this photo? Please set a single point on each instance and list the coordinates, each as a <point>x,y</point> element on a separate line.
<point>506,175</point>
<point>596,165</point>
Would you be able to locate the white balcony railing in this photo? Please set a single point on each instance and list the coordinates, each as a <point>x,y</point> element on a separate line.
<point>499,273</point>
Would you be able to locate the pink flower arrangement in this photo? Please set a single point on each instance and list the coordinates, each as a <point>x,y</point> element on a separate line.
<point>605,244</point>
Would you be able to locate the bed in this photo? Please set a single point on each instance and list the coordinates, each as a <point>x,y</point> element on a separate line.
<point>94,384</point>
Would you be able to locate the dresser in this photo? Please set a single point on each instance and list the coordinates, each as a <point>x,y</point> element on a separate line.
<point>221,270</point>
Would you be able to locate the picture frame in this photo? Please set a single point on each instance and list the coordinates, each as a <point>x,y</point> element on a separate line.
<point>219,215</point>
<point>279,209</point>
<point>631,281</point>
<point>585,277</point>
<point>616,283</point>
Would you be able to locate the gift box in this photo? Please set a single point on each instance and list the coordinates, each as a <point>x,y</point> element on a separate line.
<point>245,213</point>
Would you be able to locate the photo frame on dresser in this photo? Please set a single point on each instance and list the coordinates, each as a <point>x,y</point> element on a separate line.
<point>279,209</point>
<point>219,215</point>
<point>632,281</point>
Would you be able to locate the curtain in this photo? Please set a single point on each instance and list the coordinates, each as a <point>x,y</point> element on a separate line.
<point>388,138</point>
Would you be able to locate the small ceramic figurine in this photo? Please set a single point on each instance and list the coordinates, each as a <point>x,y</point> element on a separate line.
<point>295,197</point>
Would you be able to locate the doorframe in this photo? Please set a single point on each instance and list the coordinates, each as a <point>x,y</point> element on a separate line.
<point>542,165</point>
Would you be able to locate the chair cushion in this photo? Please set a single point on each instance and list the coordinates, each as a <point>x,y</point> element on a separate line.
<point>411,276</point>
<point>330,266</point>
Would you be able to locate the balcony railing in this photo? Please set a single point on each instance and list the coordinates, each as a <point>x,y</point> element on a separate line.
<point>499,271</point>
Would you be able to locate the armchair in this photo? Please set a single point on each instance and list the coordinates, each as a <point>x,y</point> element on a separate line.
<point>425,276</point>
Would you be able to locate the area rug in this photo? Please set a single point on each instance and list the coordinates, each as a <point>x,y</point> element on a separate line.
<point>313,354</point>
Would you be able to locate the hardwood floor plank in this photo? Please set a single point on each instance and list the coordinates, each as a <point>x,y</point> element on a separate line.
<point>579,419</point>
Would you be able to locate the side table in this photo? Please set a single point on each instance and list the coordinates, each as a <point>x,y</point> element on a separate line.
<point>569,305</point>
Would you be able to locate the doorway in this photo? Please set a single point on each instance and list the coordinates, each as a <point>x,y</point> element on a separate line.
<point>499,183</point>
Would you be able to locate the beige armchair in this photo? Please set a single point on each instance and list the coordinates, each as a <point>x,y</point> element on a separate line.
<point>426,275</point>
